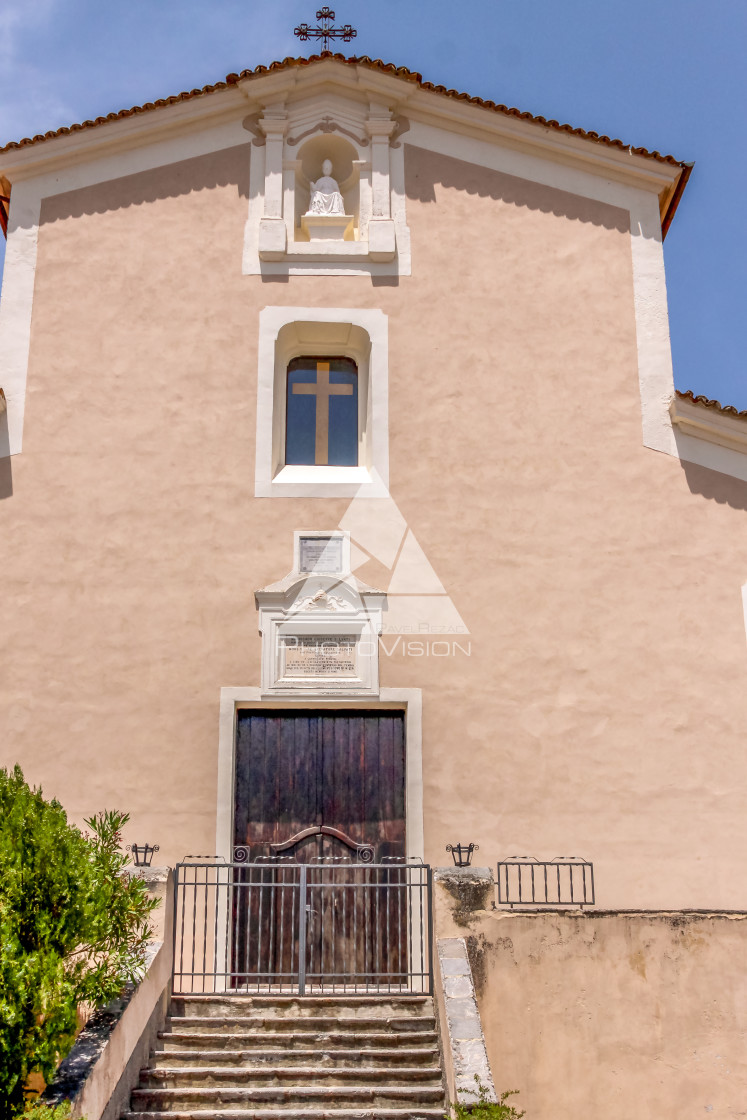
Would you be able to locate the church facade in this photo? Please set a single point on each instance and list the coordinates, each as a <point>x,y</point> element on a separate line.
<point>345,491</point>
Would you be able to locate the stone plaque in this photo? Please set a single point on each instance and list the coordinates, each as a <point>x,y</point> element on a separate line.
<point>320,655</point>
<point>320,554</point>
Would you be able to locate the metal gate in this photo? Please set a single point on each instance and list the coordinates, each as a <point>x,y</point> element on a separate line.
<point>281,926</point>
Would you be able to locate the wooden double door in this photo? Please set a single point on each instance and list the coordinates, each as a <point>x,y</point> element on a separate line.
<point>320,819</point>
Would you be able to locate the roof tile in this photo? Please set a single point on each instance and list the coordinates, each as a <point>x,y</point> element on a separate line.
<point>372,64</point>
<point>724,409</point>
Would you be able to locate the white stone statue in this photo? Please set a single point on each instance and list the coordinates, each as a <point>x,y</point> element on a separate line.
<point>325,193</point>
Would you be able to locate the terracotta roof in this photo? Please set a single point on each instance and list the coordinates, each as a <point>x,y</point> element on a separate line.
<point>371,64</point>
<point>716,406</point>
<point>399,72</point>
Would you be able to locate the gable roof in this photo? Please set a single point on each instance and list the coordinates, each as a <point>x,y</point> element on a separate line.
<point>401,72</point>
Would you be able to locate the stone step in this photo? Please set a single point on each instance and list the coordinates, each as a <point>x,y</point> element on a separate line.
<point>404,1112</point>
<point>380,1056</point>
<point>292,1076</point>
<point>326,1096</point>
<point>314,1023</point>
<point>325,1057</point>
<point>301,1007</point>
<point>290,1040</point>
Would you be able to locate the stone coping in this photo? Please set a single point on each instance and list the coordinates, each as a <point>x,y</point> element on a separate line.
<point>75,1069</point>
<point>469,1056</point>
<point>104,1062</point>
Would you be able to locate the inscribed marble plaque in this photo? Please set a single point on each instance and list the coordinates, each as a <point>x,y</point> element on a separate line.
<point>319,655</point>
<point>320,554</point>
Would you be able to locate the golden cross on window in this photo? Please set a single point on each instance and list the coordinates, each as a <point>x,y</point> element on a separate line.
<point>323,390</point>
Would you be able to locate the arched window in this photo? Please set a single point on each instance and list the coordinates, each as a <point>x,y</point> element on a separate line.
<point>318,365</point>
<point>321,427</point>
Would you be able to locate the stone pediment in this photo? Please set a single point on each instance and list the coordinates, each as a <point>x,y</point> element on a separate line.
<point>317,593</point>
<point>320,629</point>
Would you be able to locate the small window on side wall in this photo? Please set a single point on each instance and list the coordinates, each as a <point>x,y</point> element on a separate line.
<point>322,412</point>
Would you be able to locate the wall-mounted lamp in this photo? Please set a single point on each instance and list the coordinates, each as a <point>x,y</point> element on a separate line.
<point>142,853</point>
<point>462,853</point>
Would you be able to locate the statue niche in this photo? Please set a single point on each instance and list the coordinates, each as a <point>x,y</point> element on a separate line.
<point>325,219</point>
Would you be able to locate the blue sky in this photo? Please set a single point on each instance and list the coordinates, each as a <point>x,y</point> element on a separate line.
<point>662,74</point>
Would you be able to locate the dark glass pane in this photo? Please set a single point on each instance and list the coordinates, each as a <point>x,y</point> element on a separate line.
<point>322,412</point>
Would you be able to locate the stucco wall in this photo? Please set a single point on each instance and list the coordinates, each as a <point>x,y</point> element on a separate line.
<point>602,707</point>
<point>614,1014</point>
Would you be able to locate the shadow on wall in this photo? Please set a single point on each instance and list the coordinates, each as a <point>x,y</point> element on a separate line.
<point>217,169</point>
<point>6,471</point>
<point>721,488</point>
<point>424,169</point>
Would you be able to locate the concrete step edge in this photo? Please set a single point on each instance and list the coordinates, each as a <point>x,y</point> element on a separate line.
<point>269,1091</point>
<point>354,1053</point>
<point>286,1035</point>
<point>248,1072</point>
<point>307,1001</point>
<point>302,1025</point>
<point>405,1113</point>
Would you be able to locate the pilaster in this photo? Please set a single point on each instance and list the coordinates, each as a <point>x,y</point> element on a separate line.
<point>272,229</point>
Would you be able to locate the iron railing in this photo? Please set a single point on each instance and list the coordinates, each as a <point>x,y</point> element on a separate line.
<point>281,926</point>
<point>564,881</point>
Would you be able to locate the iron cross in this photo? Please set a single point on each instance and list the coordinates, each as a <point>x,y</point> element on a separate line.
<point>322,390</point>
<point>325,32</point>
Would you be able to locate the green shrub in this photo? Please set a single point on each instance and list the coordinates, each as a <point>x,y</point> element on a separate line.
<point>73,929</point>
<point>38,1110</point>
<point>484,1109</point>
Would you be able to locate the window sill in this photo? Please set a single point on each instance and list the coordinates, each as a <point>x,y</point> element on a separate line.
<point>323,482</point>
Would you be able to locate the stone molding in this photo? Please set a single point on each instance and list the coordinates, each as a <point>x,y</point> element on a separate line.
<point>704,423</point>
<point>463,1027</point>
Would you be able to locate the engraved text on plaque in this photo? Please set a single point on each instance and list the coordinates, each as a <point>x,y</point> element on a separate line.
<point>320,554</point>
<point>319,655</point>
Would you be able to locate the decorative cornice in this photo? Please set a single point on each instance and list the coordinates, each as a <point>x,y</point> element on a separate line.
<point>273,126</point>
<point>403,125</point>
<point>707,419</point>
<point>379,128</point>
<point>251,124</point>
<point>285,68</point>
<point>396,85</point>
<point>327,124</point>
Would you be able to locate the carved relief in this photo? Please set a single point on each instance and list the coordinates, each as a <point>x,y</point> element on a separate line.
<point>251,124</point>
<point>326,125</point>
<point>403,125</point>
<point>323,601</point>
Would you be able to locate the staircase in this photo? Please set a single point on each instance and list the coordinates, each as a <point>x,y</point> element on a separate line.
<point>311,1058</point>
